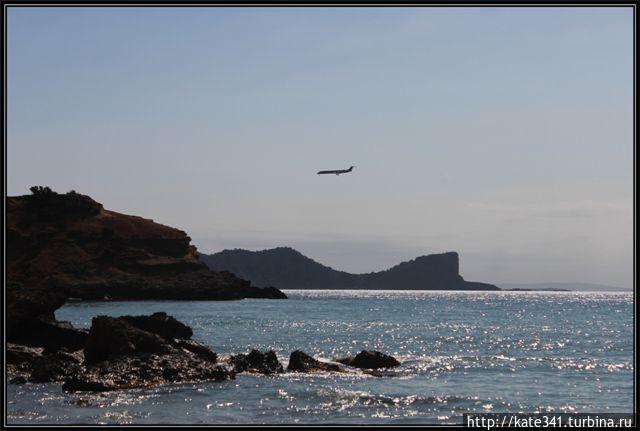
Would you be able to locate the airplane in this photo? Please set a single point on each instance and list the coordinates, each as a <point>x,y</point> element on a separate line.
<point>337,171</point>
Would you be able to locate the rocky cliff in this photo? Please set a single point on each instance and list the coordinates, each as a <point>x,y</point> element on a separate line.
<point>287,268</point>
<point>67,245</point>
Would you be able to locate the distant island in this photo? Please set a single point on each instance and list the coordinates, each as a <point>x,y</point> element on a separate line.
<point>286,268</point>
<point>563,287</point>
<point>525,289</point>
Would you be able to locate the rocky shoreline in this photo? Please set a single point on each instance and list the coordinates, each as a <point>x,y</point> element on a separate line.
<point>129,352</point>
<point>62,246</point>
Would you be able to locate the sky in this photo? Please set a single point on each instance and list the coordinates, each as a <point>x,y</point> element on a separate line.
<point>505,134</point>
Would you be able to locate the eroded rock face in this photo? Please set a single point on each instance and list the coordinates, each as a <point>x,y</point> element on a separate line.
<point>27,303</point>
<point>110,336</point>
<point>161,324</point>
<point>63,246</point>
<point>70,244</point>
<point>257,362</point>
<point>301,362</point>
<point>369,359</point>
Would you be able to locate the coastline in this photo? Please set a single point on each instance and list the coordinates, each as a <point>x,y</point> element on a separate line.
<point>450,354</point>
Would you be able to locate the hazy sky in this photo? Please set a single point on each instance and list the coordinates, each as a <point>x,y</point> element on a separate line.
<point>505,134</point>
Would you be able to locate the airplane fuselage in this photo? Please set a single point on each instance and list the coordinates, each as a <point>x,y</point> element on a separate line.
<point>337,171</point>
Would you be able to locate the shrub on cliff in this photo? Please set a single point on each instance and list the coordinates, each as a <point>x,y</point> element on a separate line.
<point>46,204</point>
<point>41,191</point>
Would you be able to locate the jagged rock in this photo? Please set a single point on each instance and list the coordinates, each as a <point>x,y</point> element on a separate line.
<point>21,356</point>
<point>54,367</point>
<point>369,359</point>
<point>271,292</point>
<point>26,303</point>
<point>119,355</point>
<point>111,336</point>
<point>196,348</point>
<point>258,362</point>
<point>18,380</point>
<point>145,370</point>
<point>239,362</point>
<point>51,334</point>
<point>301,362</point>
<point>160,323</point>
<point>84,383</point>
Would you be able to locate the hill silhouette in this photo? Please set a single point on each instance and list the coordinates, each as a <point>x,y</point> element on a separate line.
<point>71,244</point>
<point>287,268</point>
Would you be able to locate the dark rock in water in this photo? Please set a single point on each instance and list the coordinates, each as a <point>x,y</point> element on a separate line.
<point>266,363</point>
<point>160,323</point>
<point>21,356</point>
<point>18,380</point>
<point>273,293</point>
<point>258,362</point>
<point>54,367</point>
<point>370,359</point>
<point>374,373</point>
<point>42,366</point>
<point>120,355</point>
<point>84,383</point>
<point>51,334</point>
<point>146,370</point>
<point>197,348</point>
<point>239,363</point>
<point>110,336</point>
<point>301,362</point>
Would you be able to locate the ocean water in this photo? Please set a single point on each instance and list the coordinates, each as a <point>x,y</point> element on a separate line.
<point>460,352</point>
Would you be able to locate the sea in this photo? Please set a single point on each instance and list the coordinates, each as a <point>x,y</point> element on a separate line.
<point>461,352</point>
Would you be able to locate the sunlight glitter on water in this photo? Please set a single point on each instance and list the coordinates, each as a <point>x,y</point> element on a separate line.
<point>460,352</point>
